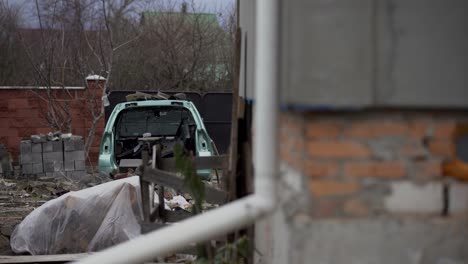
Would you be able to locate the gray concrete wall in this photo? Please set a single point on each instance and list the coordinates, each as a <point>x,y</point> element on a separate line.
<point>291,235</point>
<point>339,53</point>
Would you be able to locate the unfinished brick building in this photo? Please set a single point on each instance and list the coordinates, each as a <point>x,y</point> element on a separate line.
<point>374,101</point>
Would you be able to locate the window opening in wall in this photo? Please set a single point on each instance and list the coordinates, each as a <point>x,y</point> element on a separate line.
<point>461,144</point>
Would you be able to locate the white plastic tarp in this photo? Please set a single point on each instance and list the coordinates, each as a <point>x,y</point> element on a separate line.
<point>88,220</point>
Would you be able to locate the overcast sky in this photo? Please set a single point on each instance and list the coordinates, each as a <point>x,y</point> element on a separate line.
<point>204,6</point>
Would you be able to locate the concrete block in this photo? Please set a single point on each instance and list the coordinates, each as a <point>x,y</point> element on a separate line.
<point>49,166</point>
<point>36,157</point>
<point>47,146</point>
<point>74,155</point>
<point>37,168</point>
<point>36,148</point>
<point>79,144</point>
<point>57,146</point>
<point>80,165</point>
<point>52,146</point>
<point>53,166</point>
<point>73,144</point>
<point>53,156</point>
<point>25,146</point>
<point>69,145</point>
<point>27,168</point>
<point>69,165</point>
<point>26,158</point>
<point>458,199</point>
<point>408,197</point>
<point>58,166</point>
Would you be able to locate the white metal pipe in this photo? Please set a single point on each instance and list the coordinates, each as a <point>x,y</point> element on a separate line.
<point>266,98</point>
<point>237,214</point>
<point>195,229</point>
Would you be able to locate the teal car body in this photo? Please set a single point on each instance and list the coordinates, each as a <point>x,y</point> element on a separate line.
<point>130,121</point>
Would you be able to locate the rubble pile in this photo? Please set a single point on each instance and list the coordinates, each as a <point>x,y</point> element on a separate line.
<point>54,155</point>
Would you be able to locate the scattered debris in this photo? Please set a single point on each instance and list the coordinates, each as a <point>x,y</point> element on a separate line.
<point>19,197</point>
<point>88,220</point>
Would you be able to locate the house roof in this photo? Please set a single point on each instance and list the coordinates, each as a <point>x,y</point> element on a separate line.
<point>208,18</point>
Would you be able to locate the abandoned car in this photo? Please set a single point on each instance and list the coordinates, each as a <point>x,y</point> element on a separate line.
<point>137,125</point>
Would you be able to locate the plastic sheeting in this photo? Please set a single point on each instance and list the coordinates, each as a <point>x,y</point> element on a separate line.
<point>87,220</point>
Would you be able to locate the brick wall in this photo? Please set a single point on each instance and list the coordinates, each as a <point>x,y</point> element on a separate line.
<point>22,115</point>
<point>369,163</point>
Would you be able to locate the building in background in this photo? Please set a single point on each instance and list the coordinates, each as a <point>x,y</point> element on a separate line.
<point>374,100</point>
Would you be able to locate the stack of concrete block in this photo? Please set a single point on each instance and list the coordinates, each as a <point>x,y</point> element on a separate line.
<point>74,158</point>
<point>31,158</point>
<point>61,158</point>
<point>53,158</point>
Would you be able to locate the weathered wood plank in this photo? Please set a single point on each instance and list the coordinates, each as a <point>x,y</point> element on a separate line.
<point>156,165</point>
<point>43,258</point>
<point>201,163</point>
<point>169,179</point>
<point>144,185</point>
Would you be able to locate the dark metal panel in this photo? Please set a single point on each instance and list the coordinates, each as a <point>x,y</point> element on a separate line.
<point>217,115</point>
<point>423,53</point>
<point>327,52</point>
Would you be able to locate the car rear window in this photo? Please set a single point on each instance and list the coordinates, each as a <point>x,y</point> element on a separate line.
<point>159,121</point>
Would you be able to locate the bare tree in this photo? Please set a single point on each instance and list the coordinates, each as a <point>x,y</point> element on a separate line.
<point>76,38</point>
<point>181,48</point>
<point>9,52</point>
<point>111,39</point>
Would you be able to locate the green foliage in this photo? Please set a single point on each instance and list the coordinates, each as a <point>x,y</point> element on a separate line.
<point>233,253</point>
<point>185,166</point>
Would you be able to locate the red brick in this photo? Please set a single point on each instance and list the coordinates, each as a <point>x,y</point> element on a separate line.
<point>316,130</point>
<point>444,130</point>
<point>18,103</point>
<point>356,207</point>
<point>26,113</point>
<point>428,170</point>
<point>293,159</point>
<point>375,129</point>
<point>13,143</point>
<point>5,122</point>
<point>325,208</point>
<point>381,169</point>
<point>316,169</point>
<point>413,151</point>
<point>26,131</point>
<point>79,131</point>
<point>22,122</point>
<point>442,148</point>
<point>321,188</point>
<point>337,149</point>
<point>43,130</point>
<point>8,132</point>
<point>418,129</point>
